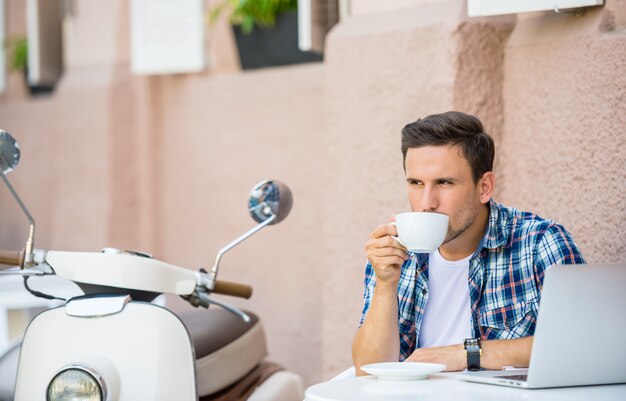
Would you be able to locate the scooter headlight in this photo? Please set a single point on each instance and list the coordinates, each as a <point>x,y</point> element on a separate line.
<point>77,383</point>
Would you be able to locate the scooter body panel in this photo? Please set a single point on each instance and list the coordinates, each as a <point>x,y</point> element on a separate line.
<point>122,271</point>
<point>142,353</point>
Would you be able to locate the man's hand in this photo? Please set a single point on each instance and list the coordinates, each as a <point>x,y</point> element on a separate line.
<point>495,354</point>
<point>453,356</point>
<point>385,254</point>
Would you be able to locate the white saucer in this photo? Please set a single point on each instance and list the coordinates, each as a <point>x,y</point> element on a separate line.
<point>402,370</point>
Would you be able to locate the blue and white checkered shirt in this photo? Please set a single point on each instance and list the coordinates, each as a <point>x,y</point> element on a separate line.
<point>505,277</point>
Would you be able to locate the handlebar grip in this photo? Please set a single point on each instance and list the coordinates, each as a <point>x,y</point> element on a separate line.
<point>11,258</point>
<point>234,289</point>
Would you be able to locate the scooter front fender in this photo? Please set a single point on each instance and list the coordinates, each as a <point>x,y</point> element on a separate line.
<point>142,353</point>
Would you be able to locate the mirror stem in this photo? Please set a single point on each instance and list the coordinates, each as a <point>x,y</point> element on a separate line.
<point>228,247</point>
<point>28,251</point>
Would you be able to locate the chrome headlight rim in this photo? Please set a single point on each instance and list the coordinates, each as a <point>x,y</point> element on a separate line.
<point>94,373</point>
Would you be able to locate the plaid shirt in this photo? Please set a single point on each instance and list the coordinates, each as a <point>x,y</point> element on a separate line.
<point>505,277</point>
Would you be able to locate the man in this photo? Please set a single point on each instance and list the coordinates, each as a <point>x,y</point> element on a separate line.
<point>480,290</point>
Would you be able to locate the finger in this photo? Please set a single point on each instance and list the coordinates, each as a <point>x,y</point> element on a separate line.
<point>383,230</point>
<point>383,242</point>
<point>387,261</point>
<point>389,251</point>
<point>389,241</point>
<point>392,218</point>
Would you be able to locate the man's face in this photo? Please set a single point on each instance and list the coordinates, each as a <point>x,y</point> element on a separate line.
<point>440,180</point>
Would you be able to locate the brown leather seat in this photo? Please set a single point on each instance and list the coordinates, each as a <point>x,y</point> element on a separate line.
<point>226,347</point>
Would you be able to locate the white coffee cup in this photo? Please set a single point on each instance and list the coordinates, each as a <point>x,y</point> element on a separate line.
<point>421,232</point>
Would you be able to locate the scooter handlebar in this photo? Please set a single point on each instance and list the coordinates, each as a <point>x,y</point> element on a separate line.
<point>11,258</point>
<point>233,289</point>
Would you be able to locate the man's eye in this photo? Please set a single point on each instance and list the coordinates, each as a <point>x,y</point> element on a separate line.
<point>445,182</point>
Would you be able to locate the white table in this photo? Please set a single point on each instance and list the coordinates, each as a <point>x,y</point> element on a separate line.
<point>445,387</point>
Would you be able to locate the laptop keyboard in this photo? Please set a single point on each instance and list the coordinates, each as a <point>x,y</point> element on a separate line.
<point>514,377</point>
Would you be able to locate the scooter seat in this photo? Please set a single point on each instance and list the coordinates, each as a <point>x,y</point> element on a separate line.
<point>226,347</point>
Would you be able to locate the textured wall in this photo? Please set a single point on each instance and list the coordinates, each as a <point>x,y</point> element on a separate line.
<point>359,7</point>
<point>563,152</point>
<point>216,139</point>
<point>479,65</point>
<point>63,174</point>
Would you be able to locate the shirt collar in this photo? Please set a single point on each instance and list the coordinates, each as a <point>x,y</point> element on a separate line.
<point>495,235</point>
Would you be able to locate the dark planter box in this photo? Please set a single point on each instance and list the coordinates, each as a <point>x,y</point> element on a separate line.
<point>36,89</point>
<point>270,47</point>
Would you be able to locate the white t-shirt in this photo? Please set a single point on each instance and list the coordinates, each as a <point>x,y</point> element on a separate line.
<point>447,318</point>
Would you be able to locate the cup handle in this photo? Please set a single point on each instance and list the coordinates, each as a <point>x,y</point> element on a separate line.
<point>393,223</point>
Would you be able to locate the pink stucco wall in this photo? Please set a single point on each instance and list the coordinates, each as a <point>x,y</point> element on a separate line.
<point>218,137</point>
<point>164,164</point>
<point>563,150</point>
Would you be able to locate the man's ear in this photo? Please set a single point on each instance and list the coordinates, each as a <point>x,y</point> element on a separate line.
<point>487,185</point>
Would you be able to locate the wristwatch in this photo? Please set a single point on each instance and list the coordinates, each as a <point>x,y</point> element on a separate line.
<point>473,353</point>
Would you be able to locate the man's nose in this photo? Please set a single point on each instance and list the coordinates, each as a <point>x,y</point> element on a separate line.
<point>430,200</point>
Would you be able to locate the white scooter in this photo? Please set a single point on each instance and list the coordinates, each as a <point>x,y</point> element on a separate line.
<point>113,344</point>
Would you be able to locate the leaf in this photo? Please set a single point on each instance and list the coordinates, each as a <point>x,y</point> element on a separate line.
<point>248,13</point>
<point>18,50</point>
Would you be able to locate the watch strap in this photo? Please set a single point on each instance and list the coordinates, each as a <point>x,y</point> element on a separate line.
<point>473,351</point>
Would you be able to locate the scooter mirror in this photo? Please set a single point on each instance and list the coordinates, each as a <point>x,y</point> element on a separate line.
<point>9,152</point>
<point>270,198</point>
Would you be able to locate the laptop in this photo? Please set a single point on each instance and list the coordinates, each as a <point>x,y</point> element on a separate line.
<point>580,337</point>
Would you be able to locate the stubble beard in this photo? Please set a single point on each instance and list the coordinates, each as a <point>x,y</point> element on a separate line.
<point>466,217</point>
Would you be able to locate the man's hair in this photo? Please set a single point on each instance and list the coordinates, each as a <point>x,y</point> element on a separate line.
<point>452,128</point>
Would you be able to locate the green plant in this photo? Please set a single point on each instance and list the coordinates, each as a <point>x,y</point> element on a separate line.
<point>18,50</point>
<point>247,13</point>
